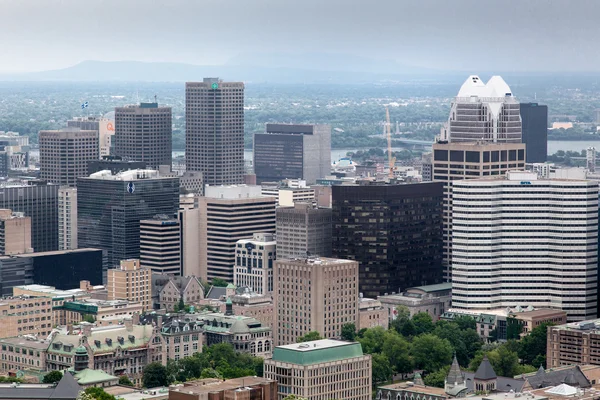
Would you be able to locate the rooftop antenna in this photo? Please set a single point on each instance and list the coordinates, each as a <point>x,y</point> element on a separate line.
<point>156,101</point>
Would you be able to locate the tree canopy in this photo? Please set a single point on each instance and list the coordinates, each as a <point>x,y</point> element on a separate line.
<point>310,336</point>
<point>52,377</point>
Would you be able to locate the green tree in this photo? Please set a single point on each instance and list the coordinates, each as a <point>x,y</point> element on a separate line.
<point>210,373</point>
<point>381,368</point>
<point>533,346</point>
<point>372,340</point>
<point>465,322</point>
<point>124,380</point>
<point>98,393</point>
<point>218,282</point>
<point>437,378</point>
<point>89,318</point>
<point>348,332</point>
<point>423,323</point>
<point>397,351</point>
<point>309,337</point>
<point>154,375</point>
<point>431,353</point>
<point>513,328</point>
<point>52,377</point>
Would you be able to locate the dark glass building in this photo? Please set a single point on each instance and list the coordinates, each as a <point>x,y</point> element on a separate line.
<point>110,207</point>
<point>393,231</point>
<point>39,201</point>
<point>534,119</point>
<point>61,269</point>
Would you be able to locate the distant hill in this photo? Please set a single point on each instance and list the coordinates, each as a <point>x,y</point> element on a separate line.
<point>280,72</point>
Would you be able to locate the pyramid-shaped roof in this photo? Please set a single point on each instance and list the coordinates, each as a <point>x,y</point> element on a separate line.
<point>67,388</point>
<point>485,372</point>
<point>455,376</point>
<point>563,390</point>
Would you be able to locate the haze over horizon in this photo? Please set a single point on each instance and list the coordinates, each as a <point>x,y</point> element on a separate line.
<point>462,35</point>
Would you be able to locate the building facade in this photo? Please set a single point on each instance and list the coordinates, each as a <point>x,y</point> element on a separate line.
<point>254,260</point>
<point>160,244</point>
<point>314,294</point>
<point>574,343</point>
<point>371,313</point>
<point>64,154</point>
<point>15,233</point>
<point>143,133</point>
<point>23,315</point>
<point>67,218</point>
<point>248,387</point>
<point>130,282</point>
<point>229,214</point>
<point>500,224</point>
<point>214,136</point>
<point>322,369</point>
<point>289,151</point>
<point>39,201</point>
<point>110,207</point>
<point>303,230</point>
<point>458,161</point>
<point>168,290</point>
<point>434,300</point>
<point>534,118</point>
<point>393,231</point>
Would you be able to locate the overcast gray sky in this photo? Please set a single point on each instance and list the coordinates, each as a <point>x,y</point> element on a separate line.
<point>551,35</point>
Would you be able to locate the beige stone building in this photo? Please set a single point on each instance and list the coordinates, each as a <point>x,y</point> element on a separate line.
<point>73,312</point>
<point>574,343</point>
<point>431,299</point>
<point>532,319</point>
<point>15,233</point>
<point>314,294</point>
<point>24,315</point>
<point>371,314</point>
<point>322,369</point>
<point>130,282</point>
<point>170,289</point>
<point>57,297</point>
<point>245,388</point>
<point>23,353</point>
<point>182,336</point>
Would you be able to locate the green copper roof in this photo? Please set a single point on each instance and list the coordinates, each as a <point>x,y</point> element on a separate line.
<point>90,376</point>
<point>315,352</point>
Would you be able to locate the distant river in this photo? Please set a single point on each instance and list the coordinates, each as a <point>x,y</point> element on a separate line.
<point>553,147</point>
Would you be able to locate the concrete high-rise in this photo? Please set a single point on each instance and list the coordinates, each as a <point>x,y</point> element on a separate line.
<point>254,260</point>
<point>189,223</point>
<point>303,230</point>
<point>521,241</point>
<point>67,218</point>
<point>457,161</point>
<point>143,133</point>
<point>130,281</point>
<point>228,214</point>
<point>314,294</point>
<point>534,119</point>
<point>39,201</point>
<point>110,208</point>
<point>160,244</point>
<point>393,231</point>
<point>15,233</point>
<point>214,136</point>
<point>64,154</point>
<point>483,112</point>
<point>290,151</point>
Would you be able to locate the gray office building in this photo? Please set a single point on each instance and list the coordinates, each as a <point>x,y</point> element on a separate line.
<point>84,123</point>
<point>289,151</point>
<point>534,119</point>
<point>144,133</point>
<point>39,201</point>
<point>110,207</point>
<point>303,230</point>
<point>64,154</point>
<point>214,136</point>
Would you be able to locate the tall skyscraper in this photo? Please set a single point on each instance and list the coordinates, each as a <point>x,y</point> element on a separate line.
<point>67,218</point>
<point>64,154</point>
<point>214,136</point>
<point>534,119</point>
<point>160,244</point>
<point>303,230</point>
<point>144,133</point>
<point>393,231</point>
<point>314,294</point>
<point>39,201</point>
<point>483,112</point>
<point>457,161</point>
<point>110,208</point>
<point>289,151</point>
<point>254,260</point>
<point>228,214</point>
<point>15,233</point>
<point>524,242</point>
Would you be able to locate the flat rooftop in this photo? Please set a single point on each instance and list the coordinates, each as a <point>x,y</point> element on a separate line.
<point>29,343</point>
<point>584,326</point>
<point>316,352</point>
<point>203,386</point>
<point>415,388</point>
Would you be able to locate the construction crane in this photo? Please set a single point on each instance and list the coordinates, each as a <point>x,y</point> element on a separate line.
<point>391,158</point>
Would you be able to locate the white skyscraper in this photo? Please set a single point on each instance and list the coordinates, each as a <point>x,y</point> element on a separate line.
<point>485,112</point>
<point>67,218</point>
<point>521,241</point>
<point>254,260</point>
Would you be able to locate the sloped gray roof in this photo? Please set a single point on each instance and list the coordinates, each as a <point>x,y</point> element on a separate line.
<point>67,388</point>
<point>485,371</point>
<point>503,384</point>
<point>556,377</point>
<point>216,292</point>
<point>455,375</point>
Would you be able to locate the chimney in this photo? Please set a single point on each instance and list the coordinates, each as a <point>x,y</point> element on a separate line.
<point>128,324</point>
<point>135,318</point>
<point>84,285</point>
<point>159,322</point>
<point>86,328</point>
